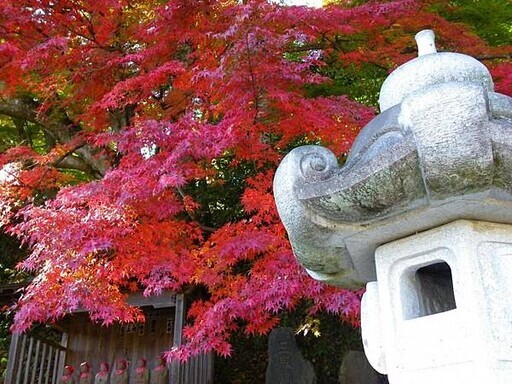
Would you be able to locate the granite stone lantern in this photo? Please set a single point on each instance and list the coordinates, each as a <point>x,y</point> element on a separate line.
<point>421,212</point>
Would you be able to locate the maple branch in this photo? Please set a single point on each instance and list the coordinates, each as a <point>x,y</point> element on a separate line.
<point>90,28</point>
<point>68,161</point>
<point>253,78</point>
<point>192,217</point>
<point>496,56</point>
<point>76,163</point>
<point>334,43</point>
<point>59,132</point>
<point>19,109</point>
<point>91,39</point>
<point>305,48</point>
<point>79,165</point>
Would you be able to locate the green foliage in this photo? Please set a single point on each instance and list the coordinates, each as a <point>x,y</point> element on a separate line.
<point>219,195</point>
<point>14,132</point>
<point>11,252</point>
<point>7,134</point>
<point>248,363</point>
<point>5,339</point>
<point>489,19</point>
<point>360,82</point>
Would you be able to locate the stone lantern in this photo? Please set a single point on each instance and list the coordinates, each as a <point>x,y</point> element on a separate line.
<point>422,213</point>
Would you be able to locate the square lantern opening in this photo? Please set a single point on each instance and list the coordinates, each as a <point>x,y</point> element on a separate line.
<point>427,290</point>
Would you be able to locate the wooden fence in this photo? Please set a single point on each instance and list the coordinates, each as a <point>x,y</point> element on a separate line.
<point>198,370</point>
<point>34,361</point>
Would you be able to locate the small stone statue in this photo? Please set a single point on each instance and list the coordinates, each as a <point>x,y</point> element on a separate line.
<point>120,376</point>
<point>86,376</point>
<point>141,372</point>
<point>67,377</point>
<point>160,374</point>
<point>102,375</point>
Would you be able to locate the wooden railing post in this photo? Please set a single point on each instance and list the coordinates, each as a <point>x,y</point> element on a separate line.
<point>28,360</point>
<point>12,361</point>
<point>41,364</point>
<point>36,362</point>
<point>61,355</point>
<point>20,357</point>
<point>178,327</point>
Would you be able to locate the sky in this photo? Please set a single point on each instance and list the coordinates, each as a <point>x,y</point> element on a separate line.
<point>311,3</point>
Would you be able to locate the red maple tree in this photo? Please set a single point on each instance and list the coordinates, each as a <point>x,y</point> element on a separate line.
<point>160,125</point>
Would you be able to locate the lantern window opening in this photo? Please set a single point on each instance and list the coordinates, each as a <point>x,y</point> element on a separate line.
<point>427,290</point>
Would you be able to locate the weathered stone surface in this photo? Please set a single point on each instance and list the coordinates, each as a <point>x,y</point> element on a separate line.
<point>286,364</point>
<point>431,179</point>
<point>441,307</point>
<point>441,150</point>
<point>355,369</point>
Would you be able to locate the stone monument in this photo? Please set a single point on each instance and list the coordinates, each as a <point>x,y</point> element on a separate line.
<point>421,212</point>
<point>355,369</point>
<point>286,364</point>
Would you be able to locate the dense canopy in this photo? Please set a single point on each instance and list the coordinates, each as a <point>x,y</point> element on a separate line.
<point>139,140</point>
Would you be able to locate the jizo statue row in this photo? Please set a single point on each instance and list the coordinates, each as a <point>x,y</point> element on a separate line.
<point>141,374</point>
